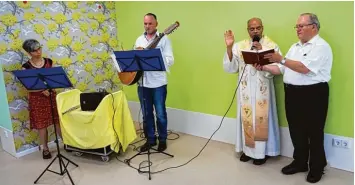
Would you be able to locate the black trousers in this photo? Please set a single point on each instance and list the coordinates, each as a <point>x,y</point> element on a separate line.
<point>306,112</point>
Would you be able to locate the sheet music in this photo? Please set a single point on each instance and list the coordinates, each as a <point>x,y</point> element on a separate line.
<point>115,63</point>
<point>164,61</point>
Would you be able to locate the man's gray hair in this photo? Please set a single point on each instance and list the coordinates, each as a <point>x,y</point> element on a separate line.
<point>313,18</point>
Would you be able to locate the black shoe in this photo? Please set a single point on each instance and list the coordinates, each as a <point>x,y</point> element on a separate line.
<point>294,167</point>
<point>46,154</point>
<point>260,161</point>
<point>314,176</point>
<point>147,146</point>
<point>162,146</point>
<point>244,158</point>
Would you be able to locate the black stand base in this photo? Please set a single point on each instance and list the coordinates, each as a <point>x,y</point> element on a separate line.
<point>63,167</point>
<point>149,163</point>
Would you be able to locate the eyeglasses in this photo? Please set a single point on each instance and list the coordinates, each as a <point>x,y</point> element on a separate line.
<point>36,50</point>
<point>257,28</point>
<point>302,25</point>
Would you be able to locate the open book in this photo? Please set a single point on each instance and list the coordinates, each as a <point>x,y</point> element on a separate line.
<point>254,56</point>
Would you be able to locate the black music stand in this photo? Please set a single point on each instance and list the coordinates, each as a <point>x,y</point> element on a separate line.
<point>47,78</point>
<point>140,61</point>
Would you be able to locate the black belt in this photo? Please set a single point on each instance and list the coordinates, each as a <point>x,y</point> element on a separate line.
<point>304,86</point>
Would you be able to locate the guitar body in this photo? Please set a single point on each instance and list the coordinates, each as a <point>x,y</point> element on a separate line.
<point>130,78</point>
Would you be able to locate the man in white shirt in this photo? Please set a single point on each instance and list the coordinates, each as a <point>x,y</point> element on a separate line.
<point>152,87</point>
<point>306,71</point>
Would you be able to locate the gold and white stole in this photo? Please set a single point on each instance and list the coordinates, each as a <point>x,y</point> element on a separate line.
<point>260,132</point>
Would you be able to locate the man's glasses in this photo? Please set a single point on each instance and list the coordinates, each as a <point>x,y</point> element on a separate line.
<point>300,26</point>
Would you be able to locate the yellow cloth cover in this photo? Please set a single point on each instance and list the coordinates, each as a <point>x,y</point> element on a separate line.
<point>94,129</point>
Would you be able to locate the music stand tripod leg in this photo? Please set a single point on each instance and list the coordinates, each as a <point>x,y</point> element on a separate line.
<point>143,60</point>
<point>150,178</point>
<point>47,78</point>
<point>66,171</point>
<point>69,160</point>
<point>148,152</point>
<point>45,169</point>
<point>162,152</point>
<point>59,155</point>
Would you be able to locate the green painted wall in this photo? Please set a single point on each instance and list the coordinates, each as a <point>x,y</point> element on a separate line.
<point>5,120</point>
<point>198,82</point>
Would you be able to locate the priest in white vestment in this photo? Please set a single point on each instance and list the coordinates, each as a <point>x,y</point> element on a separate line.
<point>258,135</point>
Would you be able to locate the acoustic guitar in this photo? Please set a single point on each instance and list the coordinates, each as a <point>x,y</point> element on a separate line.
<point>130,78</point>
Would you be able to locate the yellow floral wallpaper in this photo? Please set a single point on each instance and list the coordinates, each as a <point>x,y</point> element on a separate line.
<point>79,36</point>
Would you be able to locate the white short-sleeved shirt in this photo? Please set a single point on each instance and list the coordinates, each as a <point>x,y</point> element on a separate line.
<point>316,55</point>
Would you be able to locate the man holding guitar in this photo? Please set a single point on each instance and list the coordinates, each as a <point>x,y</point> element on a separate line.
<point>152,86</point>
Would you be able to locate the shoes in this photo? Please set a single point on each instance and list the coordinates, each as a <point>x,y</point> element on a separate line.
<point>162,146</point>
<point>244,158</point>
<point>46,154</point>
<point>314,176</point>
<point>294,167</point>
<point>260,161</point>
<point>147,146</point>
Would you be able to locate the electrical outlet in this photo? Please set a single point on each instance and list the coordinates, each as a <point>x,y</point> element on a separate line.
<point>345,144</point>
<point>337,142</point>
<point>341,143</point>
<point>6,135</point>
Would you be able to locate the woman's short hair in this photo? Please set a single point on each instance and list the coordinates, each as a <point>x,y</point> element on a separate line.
<point>31,45</point>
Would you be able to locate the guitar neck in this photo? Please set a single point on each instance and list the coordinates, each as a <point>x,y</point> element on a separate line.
<point>155,42</point>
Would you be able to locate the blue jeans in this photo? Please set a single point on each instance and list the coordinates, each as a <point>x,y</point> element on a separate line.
<point>157,97</point>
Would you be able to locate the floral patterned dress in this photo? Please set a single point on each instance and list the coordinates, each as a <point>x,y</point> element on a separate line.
<point>40,105</point>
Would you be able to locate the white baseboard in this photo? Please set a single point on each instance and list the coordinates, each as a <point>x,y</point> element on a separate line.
<point>8,144</point>
<point>51,145</point>
<point>203,125</point>
<point>7,141</point>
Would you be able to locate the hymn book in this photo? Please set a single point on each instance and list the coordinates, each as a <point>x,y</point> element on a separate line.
<point>256,57</point>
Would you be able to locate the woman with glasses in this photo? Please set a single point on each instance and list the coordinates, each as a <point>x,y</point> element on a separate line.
<point>39,100</point>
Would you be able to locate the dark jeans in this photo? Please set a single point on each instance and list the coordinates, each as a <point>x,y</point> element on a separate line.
<point>306,112</point>
<point>148,98</point>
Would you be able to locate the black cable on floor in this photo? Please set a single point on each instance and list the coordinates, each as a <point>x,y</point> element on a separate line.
<point>140,164</point>
<point>140,132</point>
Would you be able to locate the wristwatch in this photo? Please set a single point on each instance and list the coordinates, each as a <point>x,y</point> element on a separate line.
<point>283,61</point>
